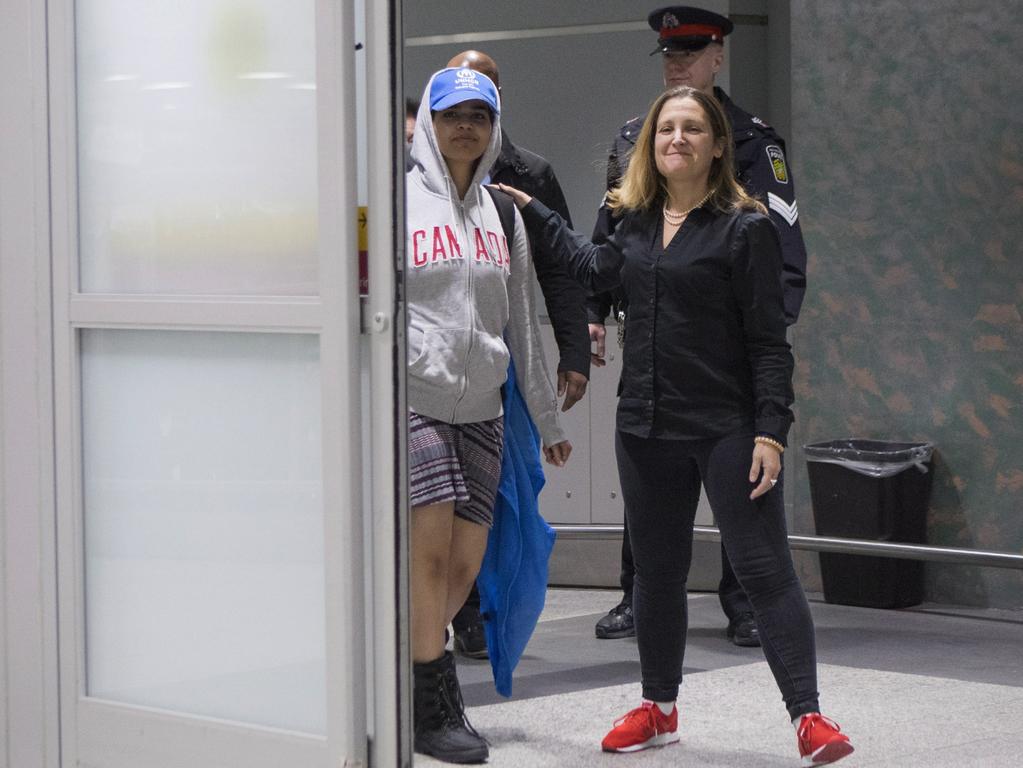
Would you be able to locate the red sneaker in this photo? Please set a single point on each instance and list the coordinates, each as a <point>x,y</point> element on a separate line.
<point>820,740</point>
<point>643,727</point>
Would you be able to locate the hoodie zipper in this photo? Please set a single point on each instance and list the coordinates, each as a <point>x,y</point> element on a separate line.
<point>468,308</point>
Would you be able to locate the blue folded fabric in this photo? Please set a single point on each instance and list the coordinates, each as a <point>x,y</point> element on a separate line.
<point>513,578</point>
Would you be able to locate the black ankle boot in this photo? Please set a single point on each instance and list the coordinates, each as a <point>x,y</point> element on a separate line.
<point>454,696</point>
<point>441,729</point>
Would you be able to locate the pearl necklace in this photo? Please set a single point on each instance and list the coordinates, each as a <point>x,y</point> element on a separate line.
<point>677,217</point>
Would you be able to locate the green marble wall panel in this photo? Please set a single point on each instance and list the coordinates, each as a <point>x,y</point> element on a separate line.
<point>908,154</point>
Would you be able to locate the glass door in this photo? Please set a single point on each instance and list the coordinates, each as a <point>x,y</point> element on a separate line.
<point>211,550</point>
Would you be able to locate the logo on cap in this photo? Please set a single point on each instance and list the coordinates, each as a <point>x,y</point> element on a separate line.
<point>466,78</point>
<point>668,21</point>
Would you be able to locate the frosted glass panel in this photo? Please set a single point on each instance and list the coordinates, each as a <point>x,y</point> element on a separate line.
<point>197,146</point>
<point>204,524</point>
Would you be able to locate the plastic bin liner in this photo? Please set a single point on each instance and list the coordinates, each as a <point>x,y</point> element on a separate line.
<point>872,458</point>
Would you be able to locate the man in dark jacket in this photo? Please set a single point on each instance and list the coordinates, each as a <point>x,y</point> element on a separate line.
<point>563,297</point>
<point>691,42</point>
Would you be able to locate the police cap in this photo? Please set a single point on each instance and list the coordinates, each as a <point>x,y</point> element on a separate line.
<point>684,28</point>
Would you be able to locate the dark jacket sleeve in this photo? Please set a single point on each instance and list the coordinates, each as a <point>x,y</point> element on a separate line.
<point>768,177</point>
<point>756,267</point>
<point>598,305</point>
<point>596,267</point>
<point>565,300</point>
<point>618,157</point>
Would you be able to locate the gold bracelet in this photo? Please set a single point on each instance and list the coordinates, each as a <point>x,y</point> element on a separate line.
<point>769,441</point>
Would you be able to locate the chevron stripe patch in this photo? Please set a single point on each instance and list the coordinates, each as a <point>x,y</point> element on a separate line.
<point>789,212</point>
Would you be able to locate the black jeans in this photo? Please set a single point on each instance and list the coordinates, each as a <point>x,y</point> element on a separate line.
<point>661,485</point>
<point>733,600</point>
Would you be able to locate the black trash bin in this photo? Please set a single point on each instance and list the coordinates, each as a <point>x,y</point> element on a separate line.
<point>870,489</point>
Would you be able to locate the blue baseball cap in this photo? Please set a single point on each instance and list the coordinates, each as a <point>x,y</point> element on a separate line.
<point>457,84</point>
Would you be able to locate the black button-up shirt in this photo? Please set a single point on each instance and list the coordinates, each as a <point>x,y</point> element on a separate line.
<point>705,351</point>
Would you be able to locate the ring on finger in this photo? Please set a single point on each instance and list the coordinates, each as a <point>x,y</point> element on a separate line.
<point>774,481</point>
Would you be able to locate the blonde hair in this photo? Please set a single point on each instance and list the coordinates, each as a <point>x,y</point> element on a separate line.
<point>643,188</point>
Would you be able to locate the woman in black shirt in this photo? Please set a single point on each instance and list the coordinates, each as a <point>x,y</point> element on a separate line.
<point>705,395</point>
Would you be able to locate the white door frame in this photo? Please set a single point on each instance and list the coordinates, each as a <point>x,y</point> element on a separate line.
<point>29,711</point>
<point>391,719</point>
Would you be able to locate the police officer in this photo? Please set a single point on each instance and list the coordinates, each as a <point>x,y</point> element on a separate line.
<point>691,43</point>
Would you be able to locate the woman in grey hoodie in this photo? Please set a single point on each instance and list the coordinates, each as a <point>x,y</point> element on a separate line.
<point>470,303</point>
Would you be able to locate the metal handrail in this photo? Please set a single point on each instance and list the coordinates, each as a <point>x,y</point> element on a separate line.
<point>832,544</point>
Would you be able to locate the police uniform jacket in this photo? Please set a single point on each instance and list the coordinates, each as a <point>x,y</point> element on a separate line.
<point>761,169</point>
<point>705,351</point>
<point>564,298</point>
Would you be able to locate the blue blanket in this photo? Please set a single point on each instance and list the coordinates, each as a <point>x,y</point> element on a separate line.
<point>513,578</point>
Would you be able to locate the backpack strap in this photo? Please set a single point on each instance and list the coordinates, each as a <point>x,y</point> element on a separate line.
<point>505,211</point>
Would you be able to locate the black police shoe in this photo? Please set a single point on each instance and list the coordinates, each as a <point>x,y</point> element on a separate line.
<point>618,623</point>
<point>471,640</point>
<point>742,631</point>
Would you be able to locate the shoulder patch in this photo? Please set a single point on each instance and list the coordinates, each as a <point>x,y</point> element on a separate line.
<point>632,128</point>
<point>778,167</point>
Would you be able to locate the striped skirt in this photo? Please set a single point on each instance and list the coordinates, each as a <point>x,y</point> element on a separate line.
<point>456,462</point>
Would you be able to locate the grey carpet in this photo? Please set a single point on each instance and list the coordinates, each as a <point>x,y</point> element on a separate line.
<point>928,686</point>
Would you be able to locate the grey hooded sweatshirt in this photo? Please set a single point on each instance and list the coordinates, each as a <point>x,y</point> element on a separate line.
<point>468,290</point>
